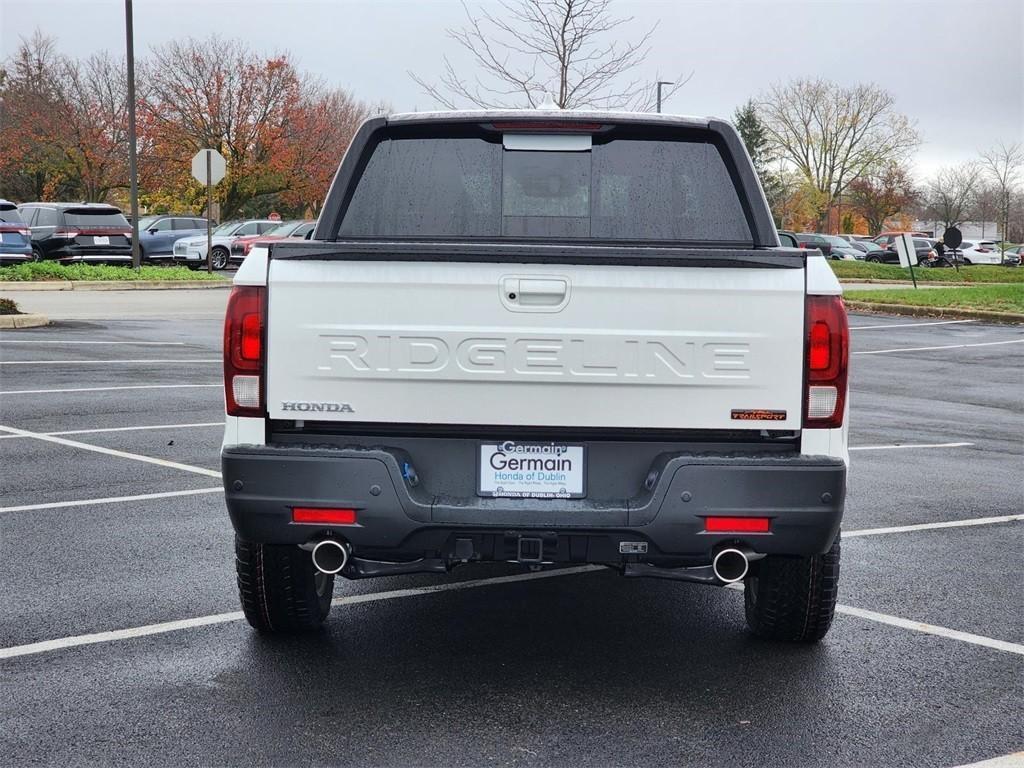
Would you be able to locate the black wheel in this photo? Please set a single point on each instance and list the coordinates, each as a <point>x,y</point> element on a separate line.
<point>280,590</point>
<point>967,262</point>
<point>873,259</point>
<point>220,258</point>
<point>793,598</point>
<point>37,253</point>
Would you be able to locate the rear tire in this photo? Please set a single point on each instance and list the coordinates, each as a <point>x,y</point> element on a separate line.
<point>280,590</point>
<point>793,598</point>
<point>37,254</point>
<point>873,259</point>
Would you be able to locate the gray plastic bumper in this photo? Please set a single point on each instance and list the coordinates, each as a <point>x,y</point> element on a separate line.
<point>396,518</point>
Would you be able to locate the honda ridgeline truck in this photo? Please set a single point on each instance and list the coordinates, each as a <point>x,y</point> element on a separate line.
<point>546,338</point>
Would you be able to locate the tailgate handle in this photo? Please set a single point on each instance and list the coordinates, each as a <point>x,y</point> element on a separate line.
<point>535,292</point>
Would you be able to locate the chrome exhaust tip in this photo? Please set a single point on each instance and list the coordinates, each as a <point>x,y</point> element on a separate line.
<point>330,556</point>
<point>730,565</point>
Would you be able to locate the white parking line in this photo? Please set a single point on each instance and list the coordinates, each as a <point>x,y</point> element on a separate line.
<point>224,618</point>
<point>111,500</point>
<point>908,445</point>
<point>46,646</point>
<point>945,346</point>
<point>1016,760</point>
<point>908,325</point>
<point>111,451</point>
<point>134,343</point>
<point>933,526</point>
<point>106,389</point>
<point>121,429</point>
<point>932,629</point>
<point>106,362</point>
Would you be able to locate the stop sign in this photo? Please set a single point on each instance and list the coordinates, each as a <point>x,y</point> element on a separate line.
<point>217,166</point>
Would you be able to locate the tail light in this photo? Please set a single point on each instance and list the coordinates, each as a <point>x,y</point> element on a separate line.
<point>69,234</point>
<point>718,524</point>
<point>244,350</point>
<point>246,247</point>
<point>17,229</point>
<point>828,352</point>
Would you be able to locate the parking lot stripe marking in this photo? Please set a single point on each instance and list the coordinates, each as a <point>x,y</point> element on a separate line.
<point>908,445</point>
<point>1016,760</point>
<point>121,429</point>
<point>106,362</point>
<point>46,646</point>
<point>111,452</point>
<point>932,629</point>
<point>945,346</point>
<point>107,389</point>
<point>223,618</point>
<point>135,343</point>
<point>111,500</point>
<point>933,526</point>
<point>908,325</point>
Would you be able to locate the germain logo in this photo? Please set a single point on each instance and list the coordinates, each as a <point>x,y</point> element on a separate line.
<point>306,407</point>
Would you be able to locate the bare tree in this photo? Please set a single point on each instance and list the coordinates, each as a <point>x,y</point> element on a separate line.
<point>530,50</point>
<point>1003,165</point>
<point>986,205</point>
<point>833,134</point>
<point>950,195</point>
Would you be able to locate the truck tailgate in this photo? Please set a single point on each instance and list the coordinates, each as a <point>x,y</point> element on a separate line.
<point>535,345</point>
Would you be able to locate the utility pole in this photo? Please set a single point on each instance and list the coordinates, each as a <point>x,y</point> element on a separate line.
<point>661,83</point>
<point>133,170</point>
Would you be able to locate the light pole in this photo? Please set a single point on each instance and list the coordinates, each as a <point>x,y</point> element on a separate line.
<point>661,83</point>
<point>133,171</point>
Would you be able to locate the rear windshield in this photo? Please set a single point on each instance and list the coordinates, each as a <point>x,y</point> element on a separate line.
<point>106,218</point>
<point>622,189</point>
<point>10,215</point>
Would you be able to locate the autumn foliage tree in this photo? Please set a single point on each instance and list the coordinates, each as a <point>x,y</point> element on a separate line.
<point>880,194</point>
<point>63,124</point>
<point>63,127</point>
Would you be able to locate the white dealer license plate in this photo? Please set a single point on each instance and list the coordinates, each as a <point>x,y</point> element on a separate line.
<point>518,470</point>
<point>100,240</point>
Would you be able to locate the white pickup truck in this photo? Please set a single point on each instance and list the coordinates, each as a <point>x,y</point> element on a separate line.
<point>546,338</point>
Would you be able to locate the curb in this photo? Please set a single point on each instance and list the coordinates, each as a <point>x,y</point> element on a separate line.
<point>951,312</point>
<point>23,321</point>
<point>112,285</point>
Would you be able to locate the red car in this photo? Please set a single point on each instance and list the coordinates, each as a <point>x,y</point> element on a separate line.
<point>240,248</point>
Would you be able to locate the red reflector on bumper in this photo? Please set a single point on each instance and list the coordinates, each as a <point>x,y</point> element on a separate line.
<point>737,524</point>
<point>324,516</point>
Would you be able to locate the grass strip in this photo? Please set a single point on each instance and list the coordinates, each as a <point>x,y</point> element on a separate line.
<point>981,273</point>
<point>48,270</point>
<point>992,298</point>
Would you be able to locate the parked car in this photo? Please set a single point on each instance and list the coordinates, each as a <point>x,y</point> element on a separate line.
<point>788,239</point>
<point>376,409</point>
<point>298,229</point>
<point>72,233</point>
<point>833,246</point>
<point>925,249</point>
<point>157,234</point>
<point>191,251</point>
<point>15,236</point>
<point>1013,255</point>
<point>854,238</point>
<point>885,239</point>
<point>980,252</point>
<point>865,247</point>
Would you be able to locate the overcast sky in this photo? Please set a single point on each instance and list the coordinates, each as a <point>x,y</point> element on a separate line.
<point>955,67</point>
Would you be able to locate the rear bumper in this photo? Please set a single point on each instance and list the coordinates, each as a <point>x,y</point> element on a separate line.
<point>396,520</point>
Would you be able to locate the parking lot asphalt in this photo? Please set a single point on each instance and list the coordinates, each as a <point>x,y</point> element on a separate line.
<point>924,665</point>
